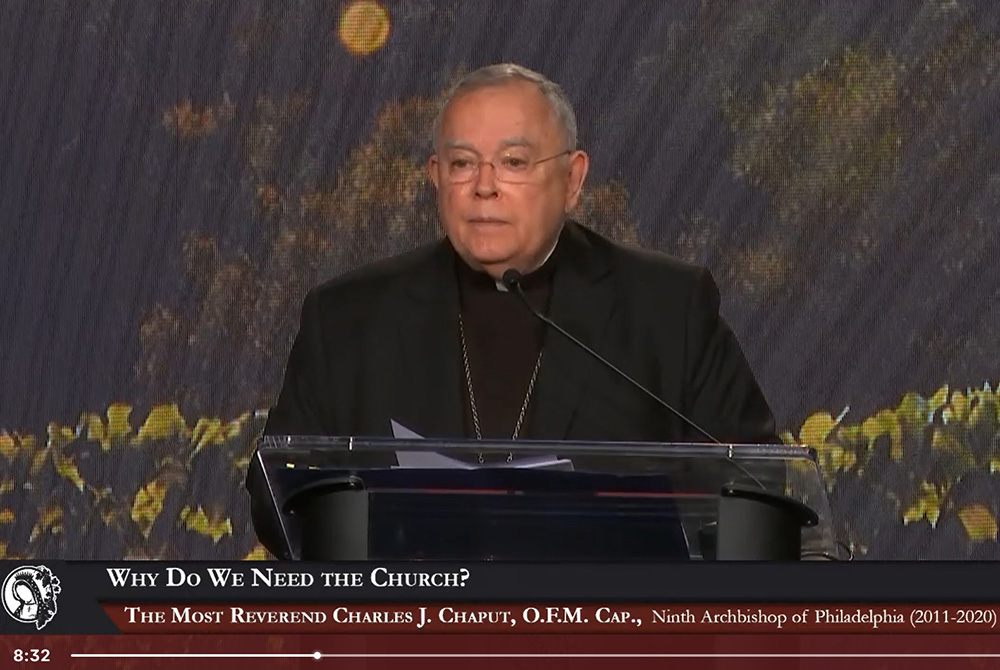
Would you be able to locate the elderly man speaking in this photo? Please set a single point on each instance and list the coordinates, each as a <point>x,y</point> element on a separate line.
<point>447,339</point>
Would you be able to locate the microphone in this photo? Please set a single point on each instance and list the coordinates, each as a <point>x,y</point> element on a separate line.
<point>512,280</point>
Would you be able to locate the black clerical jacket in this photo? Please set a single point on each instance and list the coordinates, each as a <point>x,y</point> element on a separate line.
<point>382,344</point>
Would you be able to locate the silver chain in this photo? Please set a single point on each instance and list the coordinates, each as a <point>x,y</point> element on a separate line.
<point>472,393</point>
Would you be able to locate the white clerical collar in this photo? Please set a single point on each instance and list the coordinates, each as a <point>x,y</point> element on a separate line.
<point>500,284</point>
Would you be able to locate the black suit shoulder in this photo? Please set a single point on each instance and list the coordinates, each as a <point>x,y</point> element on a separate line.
<point>339,322</point>
<point>374,279</point>
<point>647,270</point>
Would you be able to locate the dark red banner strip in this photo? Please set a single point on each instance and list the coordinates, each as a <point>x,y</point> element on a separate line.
<point>553,618</point>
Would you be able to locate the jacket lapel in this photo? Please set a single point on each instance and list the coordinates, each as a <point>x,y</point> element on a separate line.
<point>582,302</point>
<point>428,399</point>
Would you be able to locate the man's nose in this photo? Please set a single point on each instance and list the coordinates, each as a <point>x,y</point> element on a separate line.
<point>486,180</point>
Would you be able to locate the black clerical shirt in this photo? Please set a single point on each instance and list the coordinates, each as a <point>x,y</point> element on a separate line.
<point>503,341</point>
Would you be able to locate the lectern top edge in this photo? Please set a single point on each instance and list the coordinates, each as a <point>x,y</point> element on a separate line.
<point>684,450</point>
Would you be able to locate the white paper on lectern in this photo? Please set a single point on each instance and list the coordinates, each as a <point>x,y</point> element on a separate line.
<point>432,460</point>
<point>422,460</point>
<point>401,432</point>
<point>535,463</point>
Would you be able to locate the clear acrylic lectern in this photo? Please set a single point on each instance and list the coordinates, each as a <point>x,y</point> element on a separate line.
<point>317,498</point>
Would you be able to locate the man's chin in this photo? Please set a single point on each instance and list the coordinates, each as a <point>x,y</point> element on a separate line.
<point>490,257</point>
<point>494,267</point>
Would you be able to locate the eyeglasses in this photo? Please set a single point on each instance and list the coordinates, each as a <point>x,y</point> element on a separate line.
<point>509,168</point>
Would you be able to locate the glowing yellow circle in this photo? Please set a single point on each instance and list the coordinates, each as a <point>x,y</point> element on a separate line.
<point>363,27</point>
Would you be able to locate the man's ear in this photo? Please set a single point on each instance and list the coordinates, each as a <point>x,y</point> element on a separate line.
<point>579,163</point>
<point>432,170</point>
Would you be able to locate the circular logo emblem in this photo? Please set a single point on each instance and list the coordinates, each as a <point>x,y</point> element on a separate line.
<point>29,594</point>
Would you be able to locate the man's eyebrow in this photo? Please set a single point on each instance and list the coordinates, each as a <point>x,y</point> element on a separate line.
<point>516,142</point>
<point>455,144</point>
<point>504,144</point>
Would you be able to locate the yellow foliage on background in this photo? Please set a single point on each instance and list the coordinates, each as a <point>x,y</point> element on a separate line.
<point>164,422</point>
<point>88,473</point>
<point>939,441</point>
<point>190,471</point>
<point>979,521</point>
<point>211,525</point>
<point>927,505</point>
